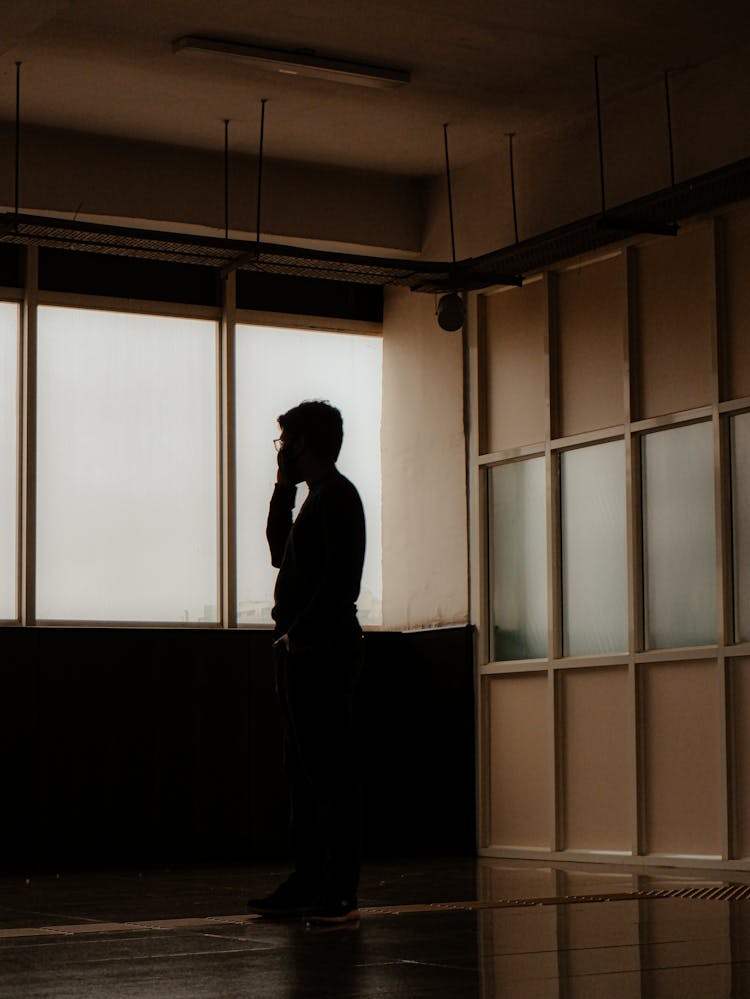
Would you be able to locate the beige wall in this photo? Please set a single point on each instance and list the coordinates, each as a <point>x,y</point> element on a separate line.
<point>100,177</point>
<point>424,498</point>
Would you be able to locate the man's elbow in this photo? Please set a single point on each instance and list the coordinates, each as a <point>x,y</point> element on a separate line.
<point>277,557</point>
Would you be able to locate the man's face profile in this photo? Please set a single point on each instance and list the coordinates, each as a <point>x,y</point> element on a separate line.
<point>290,450</point>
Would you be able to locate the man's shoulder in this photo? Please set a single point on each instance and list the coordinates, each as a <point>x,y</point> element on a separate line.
<point>342,482</point>
<point>337,488</point>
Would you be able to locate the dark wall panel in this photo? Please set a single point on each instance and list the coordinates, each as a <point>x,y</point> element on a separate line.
<point>138,747</point>
<point>11,266</point>
<point>114,276</point>
<point>417,704</point>
<point>309,296</point>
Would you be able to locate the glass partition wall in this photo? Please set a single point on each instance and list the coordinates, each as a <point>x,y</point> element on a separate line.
<point>594,550</point>
<point>139,462</point>
<point>679,544</point>
<point>611,451</point>
<point>518,560</point>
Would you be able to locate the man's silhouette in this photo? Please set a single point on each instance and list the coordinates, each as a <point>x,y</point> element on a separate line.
<point>318,657</point>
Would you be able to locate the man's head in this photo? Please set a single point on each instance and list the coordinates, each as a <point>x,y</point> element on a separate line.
<point>312,434</point>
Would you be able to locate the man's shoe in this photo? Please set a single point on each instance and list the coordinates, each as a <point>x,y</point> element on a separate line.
<point>343,910</point>
<point>286,902</point>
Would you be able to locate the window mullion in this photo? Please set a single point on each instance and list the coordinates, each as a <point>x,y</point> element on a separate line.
<point>27,449</point>
<point>227,460</point>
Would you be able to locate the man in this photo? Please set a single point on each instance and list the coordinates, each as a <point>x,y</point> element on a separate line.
<point>318,657</point>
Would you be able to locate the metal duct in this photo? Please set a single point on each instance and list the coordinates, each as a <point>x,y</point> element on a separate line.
<point>658,212</point>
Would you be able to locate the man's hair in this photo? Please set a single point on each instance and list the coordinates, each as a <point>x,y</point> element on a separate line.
<point>319,423</point>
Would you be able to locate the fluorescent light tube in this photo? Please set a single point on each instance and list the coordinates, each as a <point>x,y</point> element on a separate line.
<point>295,63</point>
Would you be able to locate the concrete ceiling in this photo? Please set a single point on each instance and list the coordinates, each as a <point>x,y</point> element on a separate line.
<point>107,66</point>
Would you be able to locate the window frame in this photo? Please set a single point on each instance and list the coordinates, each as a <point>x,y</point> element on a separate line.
<point>287,321</point>
<point>15,296</point>
<point>226,316</point>
<point>136,307</point>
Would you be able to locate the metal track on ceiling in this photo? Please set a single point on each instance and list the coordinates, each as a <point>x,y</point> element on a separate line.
<point>659,212</point>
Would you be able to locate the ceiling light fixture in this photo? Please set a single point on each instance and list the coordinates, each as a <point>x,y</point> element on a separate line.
<point>299,63</point>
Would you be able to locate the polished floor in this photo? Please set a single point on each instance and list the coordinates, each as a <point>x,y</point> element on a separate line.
<point>441,928</point>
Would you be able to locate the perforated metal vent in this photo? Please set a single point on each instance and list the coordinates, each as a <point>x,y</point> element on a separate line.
<point>713,893</point>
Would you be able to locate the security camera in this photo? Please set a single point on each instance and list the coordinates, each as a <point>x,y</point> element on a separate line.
<point>451,312</point>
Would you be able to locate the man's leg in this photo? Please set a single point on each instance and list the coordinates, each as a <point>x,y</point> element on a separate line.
<point>323,710</point>
<point>307,845</point>
<point>302,890</point>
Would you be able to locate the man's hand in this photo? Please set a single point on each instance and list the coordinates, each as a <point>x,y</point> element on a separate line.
<point>281,477</point>
<point>292,648</point>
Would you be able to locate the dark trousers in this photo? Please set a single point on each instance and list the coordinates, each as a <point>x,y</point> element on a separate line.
<point>316,694</point>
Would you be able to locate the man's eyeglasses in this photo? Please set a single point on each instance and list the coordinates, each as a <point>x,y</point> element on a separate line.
<point>278,443</point>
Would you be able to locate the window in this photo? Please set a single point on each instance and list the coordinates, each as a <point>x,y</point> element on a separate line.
<point>595,575</point>
<point>679,537</point>
<point>126,475</point>
<point>275,370</point>
<point>8,459</point>
<point>741,524</point>
<point>518,560</point>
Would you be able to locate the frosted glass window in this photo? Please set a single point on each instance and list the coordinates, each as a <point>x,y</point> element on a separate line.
<point>679,537</point>
<point>518,560</point>
<point>127,467</point>
<point>741,524</point>
<point>275,370</point>
<point>8,459</point>
<point>595,591</point>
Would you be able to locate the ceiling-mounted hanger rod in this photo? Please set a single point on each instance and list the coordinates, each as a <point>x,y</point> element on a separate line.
<point>599,132</point>
<point>614,220</point>
<point>513,183</point>
<point>669,125</point>
<point>226,178</point>
<point>17,195</point>
<point>260,172</point>
<point>450,194</point>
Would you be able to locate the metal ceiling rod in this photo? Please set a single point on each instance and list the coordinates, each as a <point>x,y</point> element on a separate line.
<point>669,125</point>
<point>252,256</point>
<point>599,132</point>
<point>451,308</point>
<point>260,173</point>
<point>450,194</point>
<point>513,183</point>
<point>17,198</point>
<point>226,178</point>
<point>613,220</point>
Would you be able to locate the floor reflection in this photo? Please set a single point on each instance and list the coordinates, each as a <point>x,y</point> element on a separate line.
<point>630,949</point>
<point>443,929</point>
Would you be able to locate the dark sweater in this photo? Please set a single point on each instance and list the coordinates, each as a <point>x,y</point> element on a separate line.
<point>319,557</point>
